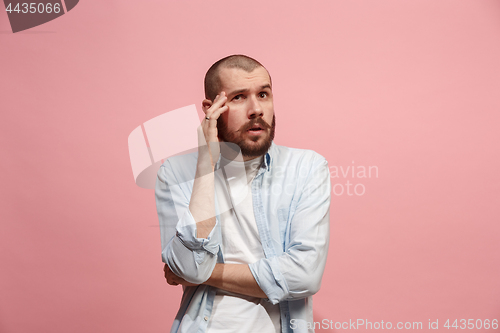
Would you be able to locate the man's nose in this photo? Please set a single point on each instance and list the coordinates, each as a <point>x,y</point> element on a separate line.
<point>255,108</point>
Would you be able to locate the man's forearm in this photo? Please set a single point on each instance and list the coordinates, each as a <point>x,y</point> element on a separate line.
<point>236,278</point>
<point>202,203</point>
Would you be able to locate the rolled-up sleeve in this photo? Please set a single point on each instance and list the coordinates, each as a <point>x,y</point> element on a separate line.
<point>189,257</point>
<point>298,271</point>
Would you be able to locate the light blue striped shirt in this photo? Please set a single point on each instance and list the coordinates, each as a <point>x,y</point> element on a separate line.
<point>291,201</point>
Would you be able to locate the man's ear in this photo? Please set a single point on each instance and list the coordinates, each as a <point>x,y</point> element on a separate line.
<point>206,104</point>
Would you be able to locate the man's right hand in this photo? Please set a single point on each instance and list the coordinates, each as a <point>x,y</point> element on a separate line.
<point>174,280</point>
<point>208,141</point>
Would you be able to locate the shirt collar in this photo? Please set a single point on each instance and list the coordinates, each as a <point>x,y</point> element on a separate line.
<point>268,158</point>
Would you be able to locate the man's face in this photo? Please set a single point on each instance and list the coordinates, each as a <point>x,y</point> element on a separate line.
<point>249,121</point>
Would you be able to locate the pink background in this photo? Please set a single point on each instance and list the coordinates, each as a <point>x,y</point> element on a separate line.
<point>411,87</point>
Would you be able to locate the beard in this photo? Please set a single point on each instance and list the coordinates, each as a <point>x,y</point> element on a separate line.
<point>248,149</point>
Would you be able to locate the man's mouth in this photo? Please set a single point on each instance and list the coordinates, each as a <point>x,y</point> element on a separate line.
<point>256,129</point>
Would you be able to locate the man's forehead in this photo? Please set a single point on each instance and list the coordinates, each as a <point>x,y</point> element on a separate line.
<point>230,76</point>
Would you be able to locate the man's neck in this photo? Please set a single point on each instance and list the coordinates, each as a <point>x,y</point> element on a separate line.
<point>248,158</point>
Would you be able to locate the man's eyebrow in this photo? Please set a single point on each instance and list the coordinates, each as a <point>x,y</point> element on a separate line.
<point>237,92</point>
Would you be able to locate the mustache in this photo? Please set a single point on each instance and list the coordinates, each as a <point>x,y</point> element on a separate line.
<point>258,121</point>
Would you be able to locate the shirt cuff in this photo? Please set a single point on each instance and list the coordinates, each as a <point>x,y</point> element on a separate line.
<point>269,278</point>
<point>186,232</point>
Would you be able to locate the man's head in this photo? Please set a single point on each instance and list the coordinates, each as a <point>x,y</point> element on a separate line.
<point>249,121</point>
<point>213,82</point>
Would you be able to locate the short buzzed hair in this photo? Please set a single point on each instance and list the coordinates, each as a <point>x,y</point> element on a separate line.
<point>213,83</point>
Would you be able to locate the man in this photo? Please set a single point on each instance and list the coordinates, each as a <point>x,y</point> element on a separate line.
<point>244,222</point>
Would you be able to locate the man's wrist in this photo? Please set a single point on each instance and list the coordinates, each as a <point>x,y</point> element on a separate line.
<point>204,228</point>
<point>205,160</point>
<point>216,277</point>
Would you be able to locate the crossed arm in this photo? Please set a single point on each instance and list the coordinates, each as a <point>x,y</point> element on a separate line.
<point>236,278</point>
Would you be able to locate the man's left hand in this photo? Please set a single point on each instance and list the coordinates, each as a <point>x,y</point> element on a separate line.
<point>174,280</point>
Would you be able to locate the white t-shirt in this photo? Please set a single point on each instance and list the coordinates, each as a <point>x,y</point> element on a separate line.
<point>241,245</point>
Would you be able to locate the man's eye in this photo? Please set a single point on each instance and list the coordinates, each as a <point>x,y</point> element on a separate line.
<point>237,97</point>
<point>263,94</point>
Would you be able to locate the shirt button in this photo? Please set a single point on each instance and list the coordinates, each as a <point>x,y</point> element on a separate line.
<point>206,318</point>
